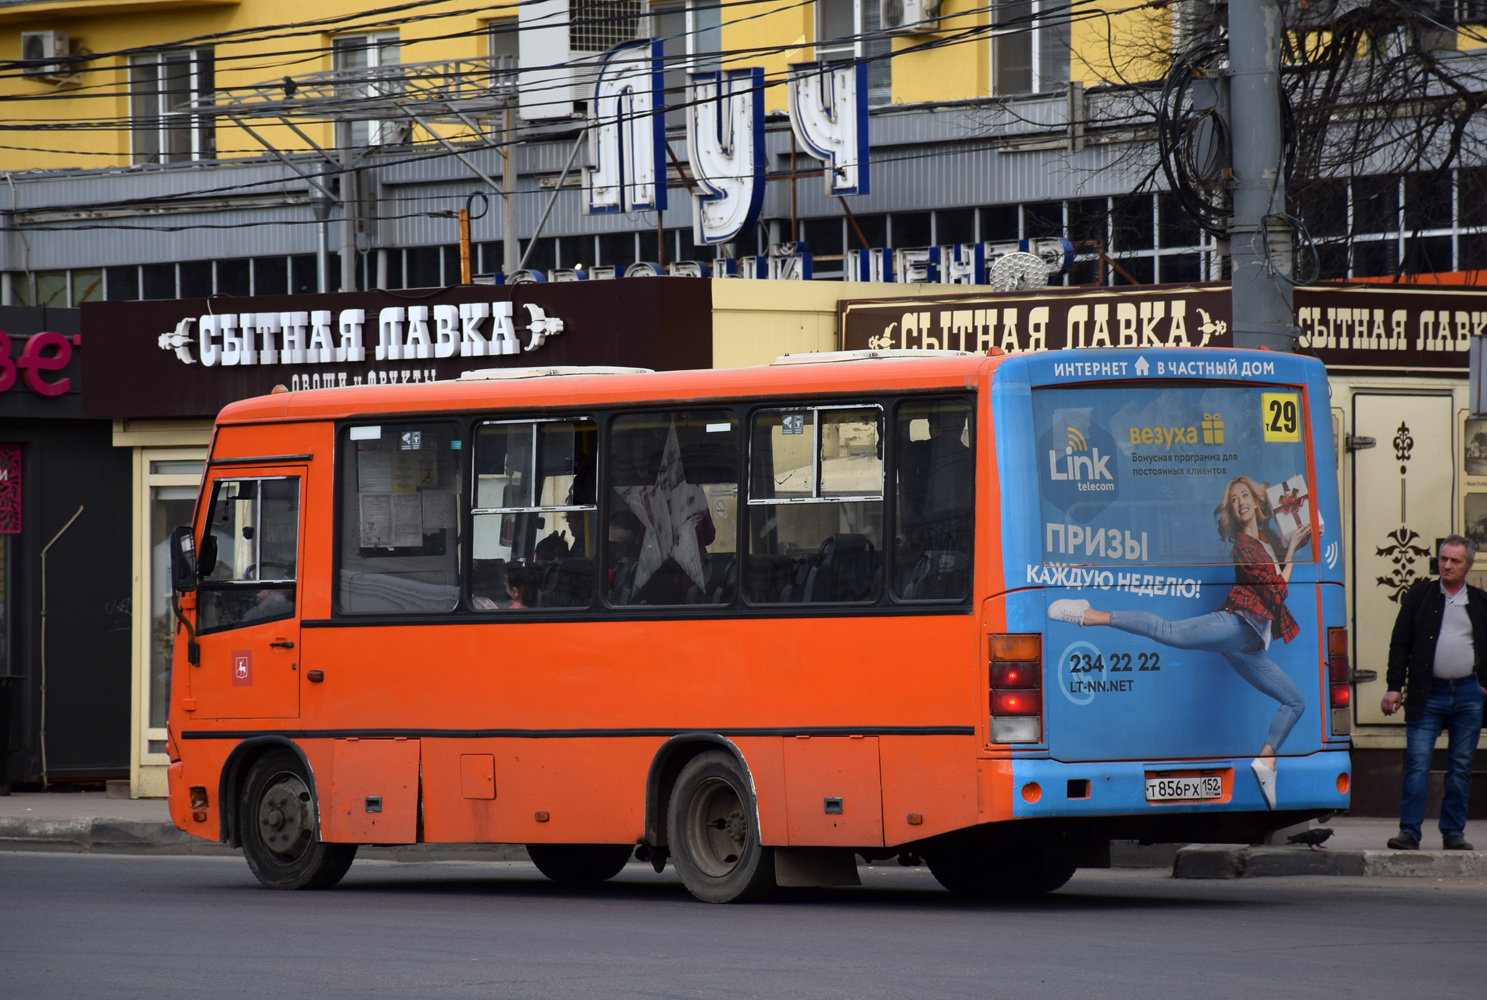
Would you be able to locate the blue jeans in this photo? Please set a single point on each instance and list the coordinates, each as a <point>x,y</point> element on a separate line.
<point>1455,706</point>
<point>1236,640</point>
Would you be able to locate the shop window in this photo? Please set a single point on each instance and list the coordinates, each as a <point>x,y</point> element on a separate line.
<point>687,249</point>
<point>1176,227</point>
<point>1324,206</point>
<point>535,515</point>
<point>648,246</point>
<point>873,227</point>
<point>1131,224</point>
<point>816,506</point>
<point>617,249</point>
<point>304,275</point>
<point>271,276</point>
<point>935,479</point>
<point>958,226</point>
<point>1376,204</point>
<point>492,257</point>
<point>542,254</point>
<point>172,484</point>
<point>87,285</point>
<point>249,553</point>
<point>1133,270</point>
<point>999,223</point>
<point>1427,200</point>
<point>1181,267</point>
<point>422,267</point>
<point>159,281</point>
<point>196,279</point>
<point>51,289</point>
<point>121,284</point>
<point>823,236</point>
<point>1375,259</point>
<point>400,527</point>
<point>233,277</point>
<point>162,86</point>
<point>450,256</point>
<point>1427,254</point>
<point>673,507</point>
<point>1043,220</point>
<point>1088,222</point>
<point>911,229</point>
<point>576,251</point>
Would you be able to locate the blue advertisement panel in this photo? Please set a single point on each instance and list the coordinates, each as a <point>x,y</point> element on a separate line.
<point>1178,527</point>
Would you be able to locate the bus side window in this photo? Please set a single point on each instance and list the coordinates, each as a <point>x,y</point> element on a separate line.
<point>671,536</point>
<point>816,506</point>
<point>255,530</point>
<point>534,515</point>
<point>935,475</point>
<point>400,523</point>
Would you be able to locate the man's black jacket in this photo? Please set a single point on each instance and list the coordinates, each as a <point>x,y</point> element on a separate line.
<point>1412,646</point>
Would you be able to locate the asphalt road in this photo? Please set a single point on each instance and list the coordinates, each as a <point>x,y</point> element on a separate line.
<point>160,927</point>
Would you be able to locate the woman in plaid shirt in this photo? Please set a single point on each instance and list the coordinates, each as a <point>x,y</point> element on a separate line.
<point>1241,629</point>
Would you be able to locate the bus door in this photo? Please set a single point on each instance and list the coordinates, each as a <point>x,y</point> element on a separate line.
<point>247,618</point>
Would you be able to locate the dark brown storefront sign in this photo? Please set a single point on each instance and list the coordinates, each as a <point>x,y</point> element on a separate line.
<point>189,358</point>
<point>1421,330</point>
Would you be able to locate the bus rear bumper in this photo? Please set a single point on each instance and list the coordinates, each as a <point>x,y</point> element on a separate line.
<point>1318,783</point>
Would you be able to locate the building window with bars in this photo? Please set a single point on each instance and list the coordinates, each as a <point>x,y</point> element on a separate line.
<point>600,25</point>
<point>162,87</point>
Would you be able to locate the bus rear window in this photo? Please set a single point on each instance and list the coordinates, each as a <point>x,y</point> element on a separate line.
<point>1158,474</point>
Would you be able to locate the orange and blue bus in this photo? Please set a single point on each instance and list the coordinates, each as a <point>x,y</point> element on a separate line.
<point>986,613</point>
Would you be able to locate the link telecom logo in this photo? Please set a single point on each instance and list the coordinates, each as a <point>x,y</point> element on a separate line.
<point>34,360</point>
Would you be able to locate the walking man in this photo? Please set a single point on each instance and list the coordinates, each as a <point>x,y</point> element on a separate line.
<point>1437,670</point>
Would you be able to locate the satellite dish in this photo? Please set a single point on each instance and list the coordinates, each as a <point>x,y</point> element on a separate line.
<point>1018,271</point>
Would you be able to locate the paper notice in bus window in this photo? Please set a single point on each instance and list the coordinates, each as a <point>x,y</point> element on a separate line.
<point>411,470</point>
<point>407,520</point>
<point>374,472</point>
<point>438,512</point>
<point>376,520</point>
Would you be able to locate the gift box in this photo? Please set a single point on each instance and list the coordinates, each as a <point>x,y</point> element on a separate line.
<point>1290,505</point>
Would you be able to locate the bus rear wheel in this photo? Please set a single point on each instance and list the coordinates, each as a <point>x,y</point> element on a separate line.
<point>712,833</point>
<point>276,816</point>
<point>580,864</point>
<point>983,873</point>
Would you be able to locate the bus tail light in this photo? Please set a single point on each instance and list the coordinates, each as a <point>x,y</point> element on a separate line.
<point>1339,681</point>
<point>1016,677</point>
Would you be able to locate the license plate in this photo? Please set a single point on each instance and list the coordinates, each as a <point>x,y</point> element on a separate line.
<point>1178,789</point>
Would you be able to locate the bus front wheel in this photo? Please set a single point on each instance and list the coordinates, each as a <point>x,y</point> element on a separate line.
<point>277,821</point>
<point>580,864</point>
<point>712,832</point>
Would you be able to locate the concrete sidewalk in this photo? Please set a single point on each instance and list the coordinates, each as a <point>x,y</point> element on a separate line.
<point>92,821</point>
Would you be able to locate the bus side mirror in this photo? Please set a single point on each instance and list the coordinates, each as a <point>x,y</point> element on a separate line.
<point>206,559</point>
<point>182,559</point>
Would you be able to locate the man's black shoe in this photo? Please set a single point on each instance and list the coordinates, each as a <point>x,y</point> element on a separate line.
<point>1457,843</point>
<point>1403,842</point>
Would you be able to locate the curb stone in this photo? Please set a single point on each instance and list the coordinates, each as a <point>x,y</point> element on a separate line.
<point>1221,861</point>
<point>122,836</point>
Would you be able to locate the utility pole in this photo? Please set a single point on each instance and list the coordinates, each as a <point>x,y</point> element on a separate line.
<point>1262,308</point>
<point>348,206</point>
<point>510,245</point>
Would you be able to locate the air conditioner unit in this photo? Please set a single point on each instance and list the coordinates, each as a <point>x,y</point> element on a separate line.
<point>561,45</point>
<point>44,53</point>
<point>909,17</point>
